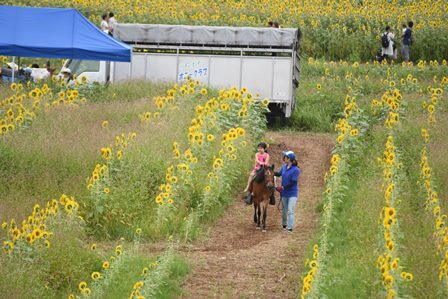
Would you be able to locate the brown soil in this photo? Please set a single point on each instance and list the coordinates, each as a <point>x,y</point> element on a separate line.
<point>238,261</point>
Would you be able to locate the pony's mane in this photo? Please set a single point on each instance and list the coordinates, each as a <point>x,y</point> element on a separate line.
<point>259,176</point>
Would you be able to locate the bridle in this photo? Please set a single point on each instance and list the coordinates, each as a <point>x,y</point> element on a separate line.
<point>272,186</point>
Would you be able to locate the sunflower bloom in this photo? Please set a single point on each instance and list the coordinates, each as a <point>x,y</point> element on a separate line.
<point>96,276</point>
<point>82,285</point>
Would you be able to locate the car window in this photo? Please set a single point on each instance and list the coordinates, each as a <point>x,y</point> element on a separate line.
<point>81,66</point>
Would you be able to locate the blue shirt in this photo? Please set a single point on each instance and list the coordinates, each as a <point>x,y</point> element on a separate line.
<point>407,37</point>
<point>290,177</point>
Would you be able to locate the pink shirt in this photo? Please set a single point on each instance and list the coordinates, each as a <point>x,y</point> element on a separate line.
<point>261,158</point>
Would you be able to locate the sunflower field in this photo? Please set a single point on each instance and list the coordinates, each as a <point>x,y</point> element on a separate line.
<point>348,30</point>
<point>102,188</point>
<point>105,174</point>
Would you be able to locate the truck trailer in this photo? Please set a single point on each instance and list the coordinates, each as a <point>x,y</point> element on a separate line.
<point>264,60</point>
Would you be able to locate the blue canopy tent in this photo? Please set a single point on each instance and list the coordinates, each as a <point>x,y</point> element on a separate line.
<point>56,33</point>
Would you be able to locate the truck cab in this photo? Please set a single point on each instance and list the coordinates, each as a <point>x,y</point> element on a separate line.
<point>94,71</point>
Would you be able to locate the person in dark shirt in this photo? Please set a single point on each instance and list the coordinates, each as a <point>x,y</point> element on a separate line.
<point>112,22</point>
<point>407,41</point>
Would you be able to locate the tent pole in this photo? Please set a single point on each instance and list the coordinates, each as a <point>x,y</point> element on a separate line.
<point>13,69</point>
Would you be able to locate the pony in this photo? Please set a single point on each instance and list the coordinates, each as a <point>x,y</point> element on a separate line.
<point>262,188</point>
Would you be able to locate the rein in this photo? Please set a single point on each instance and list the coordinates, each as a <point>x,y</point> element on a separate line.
<point>270,187</point>
<point>278,205</point>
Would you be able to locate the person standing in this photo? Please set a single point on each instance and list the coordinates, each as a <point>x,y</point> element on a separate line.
<point>104,24</point>
<point>387,44</point>
<point>112,22</point>
<point>289,189</point>
<point>404,26</point>
<point>407,41</point>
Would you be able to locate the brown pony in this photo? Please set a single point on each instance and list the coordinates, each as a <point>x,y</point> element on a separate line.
<point>262,188</point>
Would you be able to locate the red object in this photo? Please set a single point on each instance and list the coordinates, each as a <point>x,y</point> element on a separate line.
<point>279,188</point>
<point>261,160</point>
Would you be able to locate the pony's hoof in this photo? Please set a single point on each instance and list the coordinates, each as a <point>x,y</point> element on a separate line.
<point>263,231</point>
<point>258,227</point>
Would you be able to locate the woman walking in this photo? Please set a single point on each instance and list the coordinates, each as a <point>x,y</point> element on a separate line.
<point>388,49</point>
<point>289,190</point>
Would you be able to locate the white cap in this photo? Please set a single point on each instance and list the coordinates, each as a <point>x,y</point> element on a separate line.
<point>66,70</point>
<point>13,65</point>
<point>290,154</point>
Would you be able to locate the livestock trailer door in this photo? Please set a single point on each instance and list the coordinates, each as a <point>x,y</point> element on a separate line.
<point>225,71</point>
<point>271,78</point>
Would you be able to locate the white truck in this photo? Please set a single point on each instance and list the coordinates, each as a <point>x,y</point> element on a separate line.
<point>264,60</point>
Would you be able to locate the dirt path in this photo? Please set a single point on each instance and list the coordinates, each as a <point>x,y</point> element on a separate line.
<point>238,261</point>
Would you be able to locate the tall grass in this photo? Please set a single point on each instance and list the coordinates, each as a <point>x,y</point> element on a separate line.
<point>350,271</point>
<point>323,86</point>
<point>60,149</point>
<point>49,272</point>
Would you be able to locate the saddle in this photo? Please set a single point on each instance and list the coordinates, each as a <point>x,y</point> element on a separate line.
<point>248,199</point>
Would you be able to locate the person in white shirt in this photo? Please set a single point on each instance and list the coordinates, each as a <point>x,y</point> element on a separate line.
<point>112,22</point>
<point>39,74</point>
<point>389,51</point>
<point>42,73</point>
<point>104,24</point>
